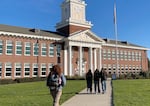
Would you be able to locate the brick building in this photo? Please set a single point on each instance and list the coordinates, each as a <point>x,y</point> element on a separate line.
<point>30,53</point>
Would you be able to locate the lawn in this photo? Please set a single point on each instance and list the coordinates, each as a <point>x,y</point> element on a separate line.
<point>131,92</point>
<point>35,93</point>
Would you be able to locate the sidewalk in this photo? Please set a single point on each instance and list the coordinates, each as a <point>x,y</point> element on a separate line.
<point>84,99</point>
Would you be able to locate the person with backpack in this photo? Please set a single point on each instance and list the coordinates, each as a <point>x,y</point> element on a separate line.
<point>103,79</point>
<point>56,81</point>
<point>96,80</point>
<point>89,78</point>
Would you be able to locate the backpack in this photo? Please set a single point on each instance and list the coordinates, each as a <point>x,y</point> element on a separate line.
<point>53,81</point>
<point>88,75</point>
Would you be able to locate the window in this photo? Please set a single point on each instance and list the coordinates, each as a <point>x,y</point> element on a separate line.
<point>58,50</point>
<point>35,69</point>
<point>104,54</point>
<point>113,55</point>
<point>104,66</point>
<point>8,69</point>
<point>109,54</point>
<point>9,47</point>
<point>18,69</point>
<point>136,56</point>
<point>114,66</point>
<point>44,49</point>
<point>27,48</point>
<point>18,48</point>
<point>122,67</point>
<point>129,55</point>
<point>51,50</point>
<point>43,69</point>
<point>130,67</point>
<point>109,67</point>
<point>0,69</point>
<point>121,55</point>
<point>133,56</point>
<point>125,55</point>
<point>50,66</point>
<point>126,67</point>
<point>27,69</point>
<point>36,49</point>
<point>1,47</point>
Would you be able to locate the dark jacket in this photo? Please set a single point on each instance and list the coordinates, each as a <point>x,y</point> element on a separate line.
<point>96,75</point>
<point>103,75</point>
<point>89,78</point>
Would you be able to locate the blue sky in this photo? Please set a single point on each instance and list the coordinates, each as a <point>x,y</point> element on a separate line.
<point>133,17</point>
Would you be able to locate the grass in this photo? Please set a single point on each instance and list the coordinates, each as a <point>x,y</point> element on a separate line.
<point>131,92</point>
<point>35,93</point>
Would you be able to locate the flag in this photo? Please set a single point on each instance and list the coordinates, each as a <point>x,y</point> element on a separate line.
<point>115,18</point>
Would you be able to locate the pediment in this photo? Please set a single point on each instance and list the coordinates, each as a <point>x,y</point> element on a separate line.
<point>86,36</point>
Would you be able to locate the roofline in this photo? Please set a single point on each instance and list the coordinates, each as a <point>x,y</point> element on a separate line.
<point>128,46</point>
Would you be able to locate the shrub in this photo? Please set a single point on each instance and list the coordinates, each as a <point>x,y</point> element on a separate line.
<point>21,80</point>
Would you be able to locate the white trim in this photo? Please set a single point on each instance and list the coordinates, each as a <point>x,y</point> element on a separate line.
<point>25,45</point>
<point>37,66</point>
<point>91,59</point>
<point>26,67</point>
<point>80,60</point>
<point>89,33</point>
<point>43,65</point>
<point>16,45</point>
<point>95,59</point>
<point>65,61</point>
<point>28,35</point>
<point>84,44</point>
<point>20,66</point>
<point>43,46</point>
<point>67,23</point>
<point>5,70</point>
<point>70,61</point>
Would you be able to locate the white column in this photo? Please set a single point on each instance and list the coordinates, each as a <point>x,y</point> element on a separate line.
<point>100,59</point>
<point>80,60</point>
<point>95,59</point>
<point>65,61</point>
<point>70,61</point>
<point>91,59</point>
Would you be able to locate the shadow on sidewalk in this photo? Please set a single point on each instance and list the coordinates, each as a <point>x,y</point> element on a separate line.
<point>84,93</point>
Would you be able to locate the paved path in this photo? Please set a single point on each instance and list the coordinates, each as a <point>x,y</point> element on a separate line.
<point>84,99</point>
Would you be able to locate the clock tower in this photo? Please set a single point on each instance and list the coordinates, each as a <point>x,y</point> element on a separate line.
<point>73,17</point>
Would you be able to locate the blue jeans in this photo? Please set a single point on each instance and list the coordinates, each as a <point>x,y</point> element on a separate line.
<point>104,85</point>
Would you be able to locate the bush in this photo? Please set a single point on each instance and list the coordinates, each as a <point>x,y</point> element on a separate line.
<point>75,78</point>
<point>21,80</point>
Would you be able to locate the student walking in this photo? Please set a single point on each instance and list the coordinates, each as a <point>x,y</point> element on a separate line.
<point>103,74</point>
<point>56,81</point>
<point>96,81</point>
<point>89,78</point>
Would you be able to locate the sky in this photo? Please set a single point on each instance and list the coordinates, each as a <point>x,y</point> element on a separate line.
<point>133,17</point>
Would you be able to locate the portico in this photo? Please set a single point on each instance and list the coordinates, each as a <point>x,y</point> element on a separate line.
<point>82,52</point>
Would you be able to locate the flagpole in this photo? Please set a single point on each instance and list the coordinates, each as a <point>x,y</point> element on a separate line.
<point>116,36</point>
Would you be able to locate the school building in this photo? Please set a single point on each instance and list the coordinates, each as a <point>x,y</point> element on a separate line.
<point>26,52</point>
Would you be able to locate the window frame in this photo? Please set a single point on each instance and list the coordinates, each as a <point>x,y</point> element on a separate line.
<point>9,43</point>
<point>27,45</point>
<point>27,65</point>
<point>18,48</point>
<point>18,66</point>
<point>8,65</point>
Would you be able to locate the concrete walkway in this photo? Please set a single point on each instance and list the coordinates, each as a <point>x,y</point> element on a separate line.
<point>84,99</point>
